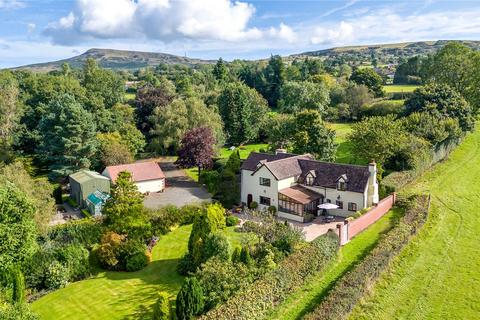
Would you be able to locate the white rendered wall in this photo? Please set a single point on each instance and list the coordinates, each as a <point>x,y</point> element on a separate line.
<point>151,185</point>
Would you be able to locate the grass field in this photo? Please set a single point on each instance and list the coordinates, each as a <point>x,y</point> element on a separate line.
<point>123,295</point>
<point>392,88</point>
<point>344,150</point>
<point>244,150</point>
<point>436,276</point>
<point>305,299</point>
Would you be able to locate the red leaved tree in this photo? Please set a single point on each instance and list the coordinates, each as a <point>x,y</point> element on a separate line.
<point>196,149</point>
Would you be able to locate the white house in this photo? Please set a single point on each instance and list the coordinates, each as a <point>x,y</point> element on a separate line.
<point>297,184</point>
<point>147,176</point>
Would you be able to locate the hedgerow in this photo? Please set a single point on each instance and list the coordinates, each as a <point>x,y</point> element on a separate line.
<point>259,298</point>
<point>356,283</point>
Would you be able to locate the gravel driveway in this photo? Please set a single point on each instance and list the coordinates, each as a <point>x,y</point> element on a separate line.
<point>181,190</point>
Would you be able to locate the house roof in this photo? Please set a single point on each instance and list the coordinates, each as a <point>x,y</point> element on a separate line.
<point>141,171</point>
<point>255,157</point>
<point>86,175</point>
<point>300,194</point>
<point>98,197</point>
<point>326,174</point>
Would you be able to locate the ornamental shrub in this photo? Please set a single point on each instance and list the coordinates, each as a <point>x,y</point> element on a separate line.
<point>138,261</point>
<point>18,286</point>
<point>86,232</point>
<point>76,258</point>
<point>253,205</point>
<point>161,308</point>
<point>56,276</point>
<point>189,300</point>
<point>355,284</point>
<point>232,220</point>
<point>216,245</point>
<point>257,300</point>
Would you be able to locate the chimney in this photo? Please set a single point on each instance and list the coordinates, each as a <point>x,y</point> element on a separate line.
<point>277,151</point>
<point>372,184</point>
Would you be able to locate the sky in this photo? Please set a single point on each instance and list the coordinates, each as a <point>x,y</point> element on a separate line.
<point>33,31</point>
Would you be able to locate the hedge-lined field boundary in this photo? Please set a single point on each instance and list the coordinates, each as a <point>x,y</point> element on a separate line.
<point>356,283</point>
<point>258,299</point>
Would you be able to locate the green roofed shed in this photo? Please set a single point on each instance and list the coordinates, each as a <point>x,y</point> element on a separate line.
<point>85,182</point>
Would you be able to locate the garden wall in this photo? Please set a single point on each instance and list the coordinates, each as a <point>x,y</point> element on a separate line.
<point>350,229</point>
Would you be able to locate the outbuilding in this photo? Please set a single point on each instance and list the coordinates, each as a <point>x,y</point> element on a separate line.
<point>85,182</point>
<point>147,176</point>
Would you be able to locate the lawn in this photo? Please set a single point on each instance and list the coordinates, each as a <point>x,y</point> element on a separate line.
<point>436,276</point>
<point>345,149</point>
<point>123,295</point>
<point>245,150</point>
<point>305,299</point>
<point>399,88</point>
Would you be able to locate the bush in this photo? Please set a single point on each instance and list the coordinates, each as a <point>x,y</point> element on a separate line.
<point>383,108</point>
<point>17,312</point>
<point>232,220</point>
<point>210,178</point>
<point>253,205</point>
<point>84,232</point>
<point>272,209</point>
<point>56,276</point>
<point>216,245</point>
<point>189,300</point>
<point>86,213</point>
<point>164,219</point>
<point>356,283</point>
<point>72,202</point>
<point>76,258</point>
<point>186,265</point>
<point>258,299</point>
<point>138,261</point>
<point>161,308</point>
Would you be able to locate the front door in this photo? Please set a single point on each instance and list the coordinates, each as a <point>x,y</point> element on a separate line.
<point>249,200</point>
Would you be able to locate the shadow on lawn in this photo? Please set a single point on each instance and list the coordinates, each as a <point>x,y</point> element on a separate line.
<point>393,220</point>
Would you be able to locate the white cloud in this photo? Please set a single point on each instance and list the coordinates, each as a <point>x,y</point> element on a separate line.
<point>31,27</point>
<point>11,4</point>
<point>164,20</point>
<point>388,26</point>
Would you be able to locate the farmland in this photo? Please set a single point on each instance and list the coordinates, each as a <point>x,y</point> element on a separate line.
<point>120,295</point>
<point>435,275</point>
<point>302,301</point>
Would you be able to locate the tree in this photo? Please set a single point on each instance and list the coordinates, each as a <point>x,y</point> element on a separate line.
<point>68,135</point>
<point>38,191</point>
<point>112,150</point>
<point>171,122</point>
<point>312,136</point>
<point>148,99</point>
<point>432,129</point>
<point>274,75</point>
<point>10,113</point>
<point>18,285</point>
<point>458,67</point>
<point>190,301</point>
<point>124,123</point>
<point>377,138</point>
<point>124,211</point>
<point>209,221</point>
<point>369,78</point>
<point>280,130</point>
<point>228,191</point>
<point>234,162</point>
<point>161,308</point>
<point>196,149</point>
<point>243,112</point>
<point>299,96</point>
<point>442,102</point>
<point>17,228</point>
<point>357,97</point>
<point>220,71</point>
<point>410,71</point>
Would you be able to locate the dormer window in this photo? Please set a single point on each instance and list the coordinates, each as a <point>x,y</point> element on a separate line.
<point>342,185</point>
<point>309,180</point>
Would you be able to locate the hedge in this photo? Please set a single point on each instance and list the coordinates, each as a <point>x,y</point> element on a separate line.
<point>85,231</point>
<point>355,284</point>
<point>258,299</point>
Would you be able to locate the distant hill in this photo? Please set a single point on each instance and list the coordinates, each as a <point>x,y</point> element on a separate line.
<point>384,53</point>
<point>118,60</point>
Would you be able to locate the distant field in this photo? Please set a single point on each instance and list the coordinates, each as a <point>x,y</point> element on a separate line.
<point>244,150</point>
<point>306,298</point>
<point>344,150</point>
<point>123,295</point>
<point>400,88</point>
<point>436,276</point>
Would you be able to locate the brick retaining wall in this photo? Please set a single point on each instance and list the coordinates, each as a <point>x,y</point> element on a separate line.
<point>350,229</point>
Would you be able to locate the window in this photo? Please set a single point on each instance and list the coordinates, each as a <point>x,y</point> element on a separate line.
<point>309,180</point>
<point>341,185</point>
<point>352,206</point>
<point>264,182</point>
<point>339,204</point>
<point>265,201</point>
<point>329,201</point>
